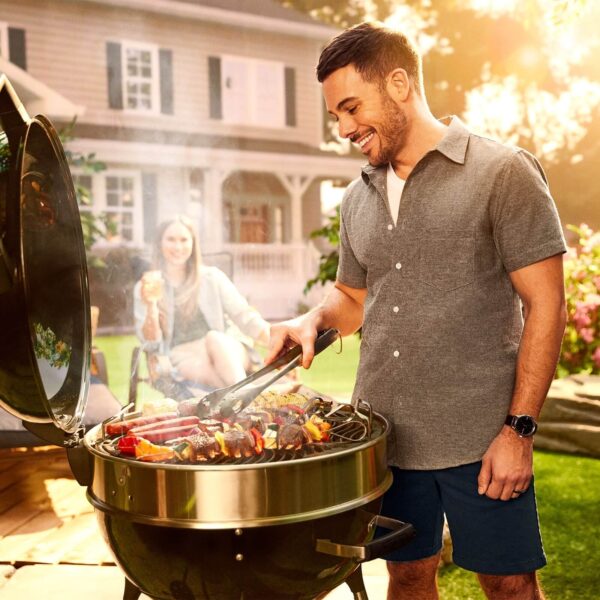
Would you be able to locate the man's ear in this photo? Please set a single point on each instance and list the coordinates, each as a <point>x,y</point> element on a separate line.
<point>398,84</point>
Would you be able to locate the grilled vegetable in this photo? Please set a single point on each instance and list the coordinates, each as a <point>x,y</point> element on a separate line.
<point>313,431</point>
<point>148,452</point>
<point>184,451</point>
<point>259,442</point>
<point>127,444</point>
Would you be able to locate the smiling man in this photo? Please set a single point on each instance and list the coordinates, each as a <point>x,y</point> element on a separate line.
<point>447,240</point>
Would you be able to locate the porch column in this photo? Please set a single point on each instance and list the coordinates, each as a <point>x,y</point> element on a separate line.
<point>295,185</point>
<point>213,224</point>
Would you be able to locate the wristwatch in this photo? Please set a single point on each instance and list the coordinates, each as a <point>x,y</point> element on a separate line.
<point>524,425</point>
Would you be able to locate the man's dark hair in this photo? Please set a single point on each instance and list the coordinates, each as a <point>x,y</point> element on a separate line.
<point>374,51</point>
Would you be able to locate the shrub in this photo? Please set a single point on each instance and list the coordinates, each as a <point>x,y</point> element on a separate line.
<point>580,351</point>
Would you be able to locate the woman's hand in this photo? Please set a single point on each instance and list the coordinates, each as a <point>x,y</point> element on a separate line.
<point>152,287</point>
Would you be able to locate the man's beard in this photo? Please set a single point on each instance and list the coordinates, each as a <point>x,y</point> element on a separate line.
<point>392,132</point>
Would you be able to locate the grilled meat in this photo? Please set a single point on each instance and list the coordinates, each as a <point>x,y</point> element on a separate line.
<point>236,443</point>
<point>205,446</point>
<point>292,436</point>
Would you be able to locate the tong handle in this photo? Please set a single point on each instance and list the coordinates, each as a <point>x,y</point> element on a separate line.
<point>323,340</point>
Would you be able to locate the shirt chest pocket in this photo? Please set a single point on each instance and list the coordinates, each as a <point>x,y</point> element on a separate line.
<point>447,262</point>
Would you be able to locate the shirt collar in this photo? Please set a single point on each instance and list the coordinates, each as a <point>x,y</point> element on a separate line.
<point>453,145</point>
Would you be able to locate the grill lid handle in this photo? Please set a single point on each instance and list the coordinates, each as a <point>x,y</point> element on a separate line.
<point>401,534</point>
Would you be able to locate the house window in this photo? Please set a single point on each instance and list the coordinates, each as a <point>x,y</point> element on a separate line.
<point>117,195</point>
<point>253,91</point>
<point>4,40</point>
<point>140,77</point>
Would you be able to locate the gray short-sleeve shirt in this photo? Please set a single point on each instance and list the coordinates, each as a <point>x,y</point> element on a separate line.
<point>442,321</point>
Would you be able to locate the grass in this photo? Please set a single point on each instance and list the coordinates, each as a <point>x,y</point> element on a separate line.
<point>567,486</point>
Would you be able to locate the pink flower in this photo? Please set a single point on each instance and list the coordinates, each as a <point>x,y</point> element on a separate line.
<point>571,253</point>
<point>587,335</point>
<point>591,243</point>
<point>596,281</point>
<point>592,300</point>
<point>581,318</point>
<point>585,230</point>
<point>596,356</point>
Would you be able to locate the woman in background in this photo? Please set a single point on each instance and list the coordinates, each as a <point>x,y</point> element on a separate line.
<point>182,307</point>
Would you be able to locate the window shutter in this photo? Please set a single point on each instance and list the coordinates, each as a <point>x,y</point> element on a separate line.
<point>114,71</point>
<point>16,47</point>
<point>165,60</point>
<point>214,87</point>
<point>290,96</point>
<point>149,206</point>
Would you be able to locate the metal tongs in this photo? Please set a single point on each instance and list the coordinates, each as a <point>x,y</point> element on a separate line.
<point>236,397</point>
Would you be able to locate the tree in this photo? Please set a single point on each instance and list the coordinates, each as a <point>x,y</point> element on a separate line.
<point>524,72</point>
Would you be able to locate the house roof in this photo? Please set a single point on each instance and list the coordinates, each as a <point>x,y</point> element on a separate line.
<point>263,8</point>
<point>202,140</point>
<point>36,96</point>
<point>264,15</point>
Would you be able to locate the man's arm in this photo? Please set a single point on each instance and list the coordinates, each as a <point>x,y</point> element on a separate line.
<point>508,462</point>
<point>342,309</point>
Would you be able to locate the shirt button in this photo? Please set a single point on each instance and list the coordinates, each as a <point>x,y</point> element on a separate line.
<point>398,266</point>
<point>396,353</point>
<point>396,309</point>
<point>390,227</point>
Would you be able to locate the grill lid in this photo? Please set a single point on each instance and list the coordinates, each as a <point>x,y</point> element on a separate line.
<point>44,298</point>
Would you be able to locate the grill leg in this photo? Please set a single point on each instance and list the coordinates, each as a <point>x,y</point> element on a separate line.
<point>131,592</point>
<point>357,585</point>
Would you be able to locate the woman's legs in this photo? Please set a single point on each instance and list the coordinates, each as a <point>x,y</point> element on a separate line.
<point>216,360</point>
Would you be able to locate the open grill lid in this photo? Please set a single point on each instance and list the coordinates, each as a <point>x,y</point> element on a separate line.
<point>44,298</point>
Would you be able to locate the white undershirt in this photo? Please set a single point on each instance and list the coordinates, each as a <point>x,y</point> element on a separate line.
<point>395,185</point>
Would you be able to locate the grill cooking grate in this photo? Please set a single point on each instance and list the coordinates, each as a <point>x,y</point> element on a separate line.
<point>351,424</point>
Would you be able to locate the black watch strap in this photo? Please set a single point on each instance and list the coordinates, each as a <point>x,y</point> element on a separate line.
<point>524,425</point>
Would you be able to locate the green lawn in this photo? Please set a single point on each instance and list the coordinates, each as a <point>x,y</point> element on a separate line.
<point>568,487</point>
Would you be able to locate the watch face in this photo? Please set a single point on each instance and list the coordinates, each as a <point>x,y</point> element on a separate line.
<point>525,426</point>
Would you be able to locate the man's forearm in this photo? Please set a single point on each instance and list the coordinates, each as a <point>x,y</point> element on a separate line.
<point>339,310</point>
<point>538,354</point>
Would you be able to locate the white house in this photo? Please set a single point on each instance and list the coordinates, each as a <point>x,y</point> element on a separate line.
<point>206,107</point>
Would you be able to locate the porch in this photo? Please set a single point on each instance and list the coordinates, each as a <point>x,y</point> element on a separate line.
<point>272,276</point>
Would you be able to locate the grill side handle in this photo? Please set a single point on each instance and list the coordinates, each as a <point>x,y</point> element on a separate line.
<point>80,460</point>
<point>401,534</point>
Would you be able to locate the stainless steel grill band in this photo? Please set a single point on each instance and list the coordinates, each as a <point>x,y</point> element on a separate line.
<point>229,496</point>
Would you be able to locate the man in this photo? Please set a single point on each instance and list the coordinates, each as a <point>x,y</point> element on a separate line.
<point>447,239</point>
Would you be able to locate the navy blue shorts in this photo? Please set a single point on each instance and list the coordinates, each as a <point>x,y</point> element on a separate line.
<point>491,537</point>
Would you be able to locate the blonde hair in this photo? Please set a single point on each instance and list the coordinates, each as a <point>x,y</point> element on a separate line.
<point>186,297</point>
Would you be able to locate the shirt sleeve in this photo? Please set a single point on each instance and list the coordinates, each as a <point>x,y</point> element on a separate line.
<point>525,222</point>
<point>350,272</point>
<point>248,319</point>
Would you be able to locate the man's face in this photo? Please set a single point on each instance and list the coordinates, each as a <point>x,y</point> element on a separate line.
<point>366,114</point>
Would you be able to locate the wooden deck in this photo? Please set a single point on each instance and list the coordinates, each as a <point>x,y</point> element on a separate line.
<point>44,514</point>
<point>50,544</point>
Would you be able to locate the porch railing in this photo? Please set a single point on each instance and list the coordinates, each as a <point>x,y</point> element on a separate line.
<point>288,261</point>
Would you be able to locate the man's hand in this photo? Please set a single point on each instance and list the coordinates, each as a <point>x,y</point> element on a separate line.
<point>301,330</point>
<point>342,310</point>
<point>506,466</point>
